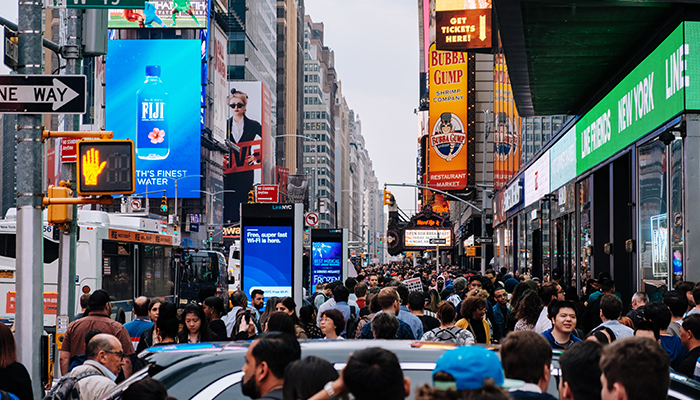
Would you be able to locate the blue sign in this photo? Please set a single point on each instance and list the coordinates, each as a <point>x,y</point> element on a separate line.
<point>152,97</point>
<point>326,261</point>
<point>562,160</point>
<point>267,260</point>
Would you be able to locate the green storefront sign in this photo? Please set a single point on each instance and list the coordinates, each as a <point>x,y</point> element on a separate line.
<point>664,84</point>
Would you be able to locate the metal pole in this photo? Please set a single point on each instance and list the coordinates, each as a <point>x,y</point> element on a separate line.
<point>437,258</point>
<point>483,192</point>
<point>29,312</point>
<point>68,241</point>
<point>316,205</point>
<point>175,219</point>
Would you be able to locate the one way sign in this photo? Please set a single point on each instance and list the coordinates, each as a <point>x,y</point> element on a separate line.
<point>42,94</point>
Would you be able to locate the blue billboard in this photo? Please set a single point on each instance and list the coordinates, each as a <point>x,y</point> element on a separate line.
<point>267,260</point>
<point>152,96</point>
<point>326,261</point>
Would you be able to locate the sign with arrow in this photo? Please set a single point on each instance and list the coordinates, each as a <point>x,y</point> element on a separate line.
<point>484,240</point>
<point>42,94</point>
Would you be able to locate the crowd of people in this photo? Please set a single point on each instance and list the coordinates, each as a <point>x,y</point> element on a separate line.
<point>528,318</point>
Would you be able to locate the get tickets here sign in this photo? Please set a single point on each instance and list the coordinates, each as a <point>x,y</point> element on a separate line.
<point>660,87</point>
<point>447,143</point>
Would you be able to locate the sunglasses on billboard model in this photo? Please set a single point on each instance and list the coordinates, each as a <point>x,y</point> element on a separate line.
<point>237,105</point>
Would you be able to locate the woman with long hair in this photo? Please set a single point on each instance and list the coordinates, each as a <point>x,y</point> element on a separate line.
<point>304,378</point>
<point>270,307</point>
<point>195,327</point>
<point>434,301</point>
<point>473,312</point>
<point>289,307</point>
<point>307,316</point>
<point>447,331</point>
<point>14,377</point>
<point>149,336</point>
<point>528,312</point>
<point>213,308</point>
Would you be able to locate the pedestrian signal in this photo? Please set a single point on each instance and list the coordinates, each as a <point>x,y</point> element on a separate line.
<point>60,213</point>
<point>251,197</point>
<point>105,167</point>
<point>211,235</point>
<point>164,204</point>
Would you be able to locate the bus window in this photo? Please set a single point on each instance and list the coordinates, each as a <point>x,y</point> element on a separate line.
<point>157,271</point>
<point>50,251</point>
<point>200,268</point>
<point>8,245</point>
<point>118,269</point>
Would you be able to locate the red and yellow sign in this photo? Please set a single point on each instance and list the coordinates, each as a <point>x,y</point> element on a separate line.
<point>50,303</point>
<point>139,237</point>
<point>508,126</point>
<point>447,144</point>
<point>463,25</point>
<point>105,167</point>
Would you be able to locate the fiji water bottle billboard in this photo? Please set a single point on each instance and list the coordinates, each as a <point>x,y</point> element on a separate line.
<point>152,97</point>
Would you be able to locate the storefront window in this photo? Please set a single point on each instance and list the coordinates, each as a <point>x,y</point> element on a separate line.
<point>584,235</point>
<point>677,238</point>
<point>653,219</point>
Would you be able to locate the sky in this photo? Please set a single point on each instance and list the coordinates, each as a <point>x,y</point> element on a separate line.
<point>376,58</point>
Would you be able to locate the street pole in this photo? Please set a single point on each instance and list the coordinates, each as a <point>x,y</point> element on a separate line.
<point>68,240</point>
<point>29,300</point>
<point>437,258</point>
<point>483,192</point>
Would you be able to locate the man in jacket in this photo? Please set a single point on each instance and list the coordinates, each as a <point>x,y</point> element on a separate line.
<point>105,358</point>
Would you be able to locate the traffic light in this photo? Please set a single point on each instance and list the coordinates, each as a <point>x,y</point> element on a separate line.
<point>164,204</point>
<point>251,197</point>
<point>211,236</point>
<point>175,229</point>
<point>105,167</point>
<point>387,197</point>
<point>60,213</point>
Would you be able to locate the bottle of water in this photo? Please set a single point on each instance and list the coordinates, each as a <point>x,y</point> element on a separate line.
<point>152,131</point>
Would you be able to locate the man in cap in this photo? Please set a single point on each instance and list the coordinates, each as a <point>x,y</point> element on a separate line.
<point>468,368</point>
<point>98,317</point>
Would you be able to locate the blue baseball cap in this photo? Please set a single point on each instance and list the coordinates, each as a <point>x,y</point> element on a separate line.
<point>469,366</point>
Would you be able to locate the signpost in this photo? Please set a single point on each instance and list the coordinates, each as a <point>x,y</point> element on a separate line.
<point>484,240</point>
<point>267,193</point>
<point>42,94</point>
<point>311,219</point>
<point>118,4</point>
<point>438,241</point>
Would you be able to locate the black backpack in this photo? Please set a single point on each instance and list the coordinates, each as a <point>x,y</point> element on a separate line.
<point>67,387</point>
<point>447,334</point>
<point>351,325</point>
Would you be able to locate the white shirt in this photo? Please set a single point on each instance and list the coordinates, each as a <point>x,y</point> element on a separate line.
<point>543,322</point>
<point>237,130</point>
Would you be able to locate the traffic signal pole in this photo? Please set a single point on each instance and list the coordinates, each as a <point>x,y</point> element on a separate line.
<point>29,301</point>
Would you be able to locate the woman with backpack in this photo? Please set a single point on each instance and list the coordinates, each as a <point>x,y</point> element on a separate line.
<point>14,377</point>
<point>447,331</point>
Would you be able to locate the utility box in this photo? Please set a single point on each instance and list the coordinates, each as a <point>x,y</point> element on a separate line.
<point>95,32</point>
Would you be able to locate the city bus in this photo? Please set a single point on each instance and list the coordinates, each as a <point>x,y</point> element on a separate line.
<point>127,256</point>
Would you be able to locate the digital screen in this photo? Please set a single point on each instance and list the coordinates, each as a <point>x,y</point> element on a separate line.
<point>162,14</point>
<point>105,167</point>
<point>421,237</point>
<point>152,96</point>
<point>326,261</point>
<point>267,260</point>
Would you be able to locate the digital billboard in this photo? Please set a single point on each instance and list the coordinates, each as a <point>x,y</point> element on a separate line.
<point>162,14</point>
<point>506,151</point>
<point>421,237</point>
<point>448,147</point>
<point>219,110</point>
<point>152,96</point>
<point>463,25</point>
<point>326,262</point>
<point>250,159</point>
<point>267,260</point>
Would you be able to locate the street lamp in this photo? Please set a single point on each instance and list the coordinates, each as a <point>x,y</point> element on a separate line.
<point>177,215</point>
<point>315,164</point>
<point>211,222</point>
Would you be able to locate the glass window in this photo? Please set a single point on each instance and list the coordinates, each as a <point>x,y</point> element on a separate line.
<point>8,245</point>
<point>653,227</point>
<point>585,239</point>
<point>50,251</point>
<point>199,267</point>
<point>118,269</point>
<point>156,270</point>
<point>677,239</point>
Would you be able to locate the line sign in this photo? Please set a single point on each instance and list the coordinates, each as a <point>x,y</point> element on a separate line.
<point>42,94</point>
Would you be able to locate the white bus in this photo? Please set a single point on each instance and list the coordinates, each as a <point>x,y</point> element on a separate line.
<point>125,255</point>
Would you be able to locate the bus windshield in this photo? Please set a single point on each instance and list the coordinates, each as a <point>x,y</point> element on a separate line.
<point>200,267</point>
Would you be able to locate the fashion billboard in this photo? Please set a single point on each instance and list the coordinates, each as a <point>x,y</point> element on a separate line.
<point>506,141</point>
<point>162,14</point>
<point>462,25</point>
<point>450,136</point>
<point>250,158</point>
<point>152,96</point>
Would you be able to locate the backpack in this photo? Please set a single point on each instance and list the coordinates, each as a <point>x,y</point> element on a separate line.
<point>76,361</point>
<point>351,325</point>
<point>7,396</point>
<point>67,387</point>
<point>447,334</point>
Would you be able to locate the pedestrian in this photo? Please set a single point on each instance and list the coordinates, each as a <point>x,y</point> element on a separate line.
<point>500,313</point>
<point>257,302</point>
<point>660,315</point>
<point>648,329</point>
<point>447,331</point>
<point>374,308</point>
<point>280,322</point>
<point>288,306</point>
<point>433,302</point>
<point>270,307</point>
<point>528,312</point>
<point>634,368</point>
<point>473,312</point>
<point>580,371</point>
<point>213,308</point>
<point>690,335</point>
<point>239,303</point>
<point>84,299</point>
<point>307,317</point>
<point>341,296</point>
<point>527,356</point>
<point>141,323</point>
<point>404,313</point>
<point>148,337</point>
<point>196,329</point>
<point>563,315</point>
<point>416,304</point>
<point>592,318</point>
<point>361,290</point>
<point>636,314</point>
<point>99,311</point>
<point>548,292</point>
<point>389,302</point>
<point>677,302</point>
<point>332,324</point>
<point>105,356</point>
<point>610,311</point>
<point>385,326</point>
<point>146,389</point>
<point>266,361</point>
<point>602,335</point>
<point>14,377</point>
<point>479,378</point>
<point>304,378</point>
